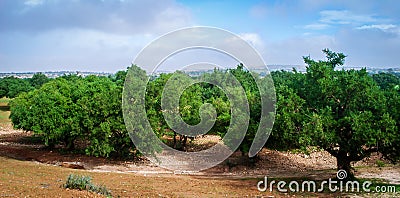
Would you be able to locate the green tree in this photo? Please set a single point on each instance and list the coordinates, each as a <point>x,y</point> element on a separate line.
<point>134,108</point>
<point>73,108</point>
<point>393,105</point>
<point>11,86</point>
<point>288,125</point>
<point>38,79</point>
<point>290,113</point>
<point>253,97</point>
<point>153,96</point>
<point>387,81</point>
<point>101,118</point>
<point>49,112</point>
<point>163,90</point>
<point>248,82</point>
<point>348,116</point>
<point>119,77</point>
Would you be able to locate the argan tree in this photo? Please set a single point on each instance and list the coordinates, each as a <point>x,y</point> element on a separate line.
<point>38,79</point>
<point>11,86</point>
<point>348,115</point>
<point>73,108</point>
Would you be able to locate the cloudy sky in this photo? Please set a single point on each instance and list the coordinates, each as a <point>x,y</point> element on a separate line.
<point>106,35</point>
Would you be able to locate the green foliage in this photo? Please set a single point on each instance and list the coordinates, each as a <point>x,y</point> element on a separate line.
<point>288,126</point>
<point>291,112</point>
<point>349,117</point>
<point>380,163</point>
<point>392,149</point>
<point>85,183</point>
<point>102,118</point>
<point>214,95</point>
<point>345,112</point>
<point>198,94</point>
<point>38,79</point>
<point>11,87</point>
<point>119,77</point>
<point>47,111</point>
<point>134,102</point>
<point>386,80</point>
<point>70,108</point>
<point>154,91</point>
<point>254,99</point>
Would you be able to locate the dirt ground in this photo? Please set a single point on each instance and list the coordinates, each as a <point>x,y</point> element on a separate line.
<point>29,169</point>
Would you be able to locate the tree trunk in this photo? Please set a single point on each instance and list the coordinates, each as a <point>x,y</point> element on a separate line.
<point>69,143</point>
<point>184,141</point>
<point>174,140</point>
<point>343,163</point>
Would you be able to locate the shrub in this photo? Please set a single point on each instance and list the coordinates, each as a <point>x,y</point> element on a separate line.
<point>380,163</point>
<point>85,183</point>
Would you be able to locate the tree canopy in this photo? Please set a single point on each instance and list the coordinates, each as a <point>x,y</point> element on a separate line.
<point>66,110</point>
<point>344,112</point>
<point>11,87</point>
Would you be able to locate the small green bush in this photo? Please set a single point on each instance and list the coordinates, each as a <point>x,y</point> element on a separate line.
<point>380,163</point>
<point>85,183</point>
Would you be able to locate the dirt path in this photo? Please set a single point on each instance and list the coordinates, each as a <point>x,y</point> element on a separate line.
<point>318,165</point>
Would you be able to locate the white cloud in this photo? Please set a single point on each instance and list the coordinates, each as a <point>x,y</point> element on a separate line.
<point>73,49</point>
<point>345,17</point>
<point>252,38</point>
<point>334,19</point>
<point>33,2</point>
<point>290,51</point>
<point>122,17</point>
<point>258,11</point>
<point>172,18</point>
<point>379,26</point>
<point>387,28</point>
<point>82,35</point>
<point>316,26</point>
<point>369,48</point>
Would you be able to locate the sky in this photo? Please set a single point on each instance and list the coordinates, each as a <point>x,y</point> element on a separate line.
<point>107,35</point>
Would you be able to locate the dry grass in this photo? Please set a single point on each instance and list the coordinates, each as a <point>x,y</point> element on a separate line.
<point>4,111</point>
<point>24,178</point>
<point>5,122</point>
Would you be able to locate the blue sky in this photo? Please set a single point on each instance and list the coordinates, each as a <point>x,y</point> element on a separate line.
<point>104,35</point>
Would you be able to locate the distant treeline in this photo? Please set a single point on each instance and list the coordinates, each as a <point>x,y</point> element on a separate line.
<point>11,86</point>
